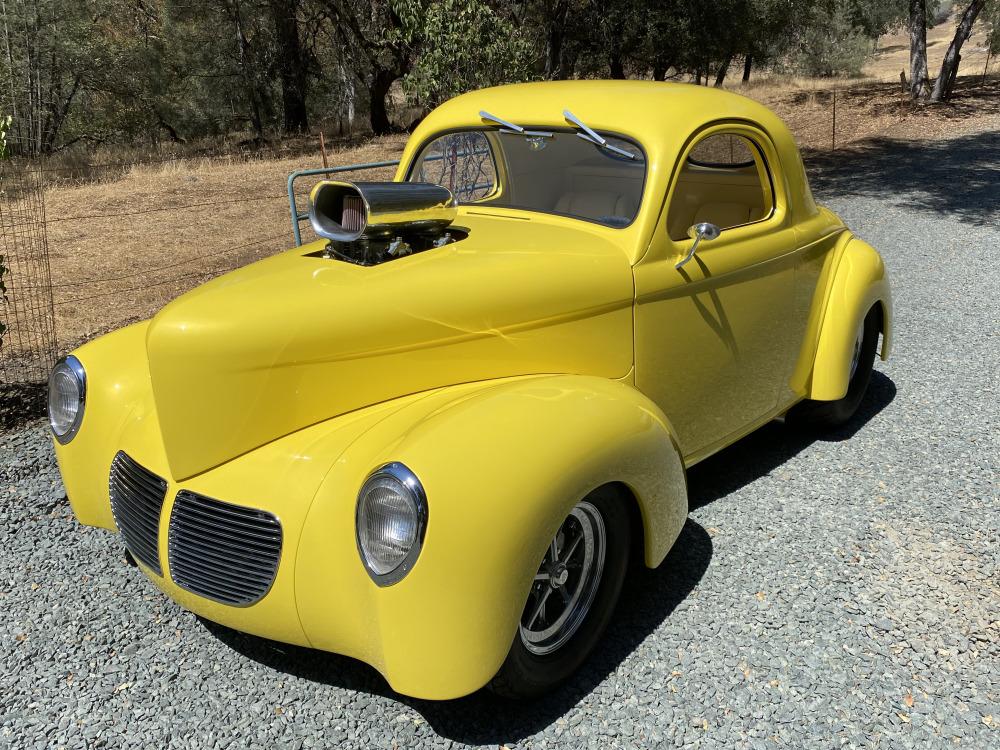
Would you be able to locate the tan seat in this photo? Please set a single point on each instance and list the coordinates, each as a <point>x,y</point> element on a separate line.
<point>596,204</point>
<point>723,214</point>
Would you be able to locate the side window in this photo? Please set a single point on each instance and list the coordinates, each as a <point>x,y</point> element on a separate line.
<point>725,181</point>
<point>461,162</point>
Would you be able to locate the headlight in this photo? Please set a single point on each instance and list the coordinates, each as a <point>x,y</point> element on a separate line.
<point>391,519</point>
<point>67,396</point>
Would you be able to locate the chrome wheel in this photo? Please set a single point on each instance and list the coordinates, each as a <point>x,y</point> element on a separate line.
<point>856,354</point>
<point>566,582</point>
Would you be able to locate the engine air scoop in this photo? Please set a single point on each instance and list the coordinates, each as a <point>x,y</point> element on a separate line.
<point>350,211</point>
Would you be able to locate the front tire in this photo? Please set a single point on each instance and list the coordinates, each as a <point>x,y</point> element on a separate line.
<point>572,597</point>
<point>828,415</point>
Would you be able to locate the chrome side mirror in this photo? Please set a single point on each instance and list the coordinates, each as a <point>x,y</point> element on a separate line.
<point>699,232</point>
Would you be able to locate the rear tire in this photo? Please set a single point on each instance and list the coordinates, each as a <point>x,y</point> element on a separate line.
<point>553,641</point>
<point>828,415</point>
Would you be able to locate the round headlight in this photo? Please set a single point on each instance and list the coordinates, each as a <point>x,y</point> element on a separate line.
<point>67,396</point>
<point>391,520</point>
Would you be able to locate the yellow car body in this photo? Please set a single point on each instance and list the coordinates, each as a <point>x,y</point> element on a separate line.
<point>513,372</point>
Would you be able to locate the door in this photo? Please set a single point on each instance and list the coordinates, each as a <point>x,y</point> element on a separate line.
<point>713,343</point>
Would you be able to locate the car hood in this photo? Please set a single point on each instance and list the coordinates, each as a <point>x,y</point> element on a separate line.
<point>296,339</point>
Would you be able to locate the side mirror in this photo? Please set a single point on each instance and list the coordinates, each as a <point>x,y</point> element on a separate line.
<point>698,232</point>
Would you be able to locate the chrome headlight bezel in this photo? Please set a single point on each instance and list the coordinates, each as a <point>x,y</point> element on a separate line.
<point>72,367</point>
<point>412,490</point>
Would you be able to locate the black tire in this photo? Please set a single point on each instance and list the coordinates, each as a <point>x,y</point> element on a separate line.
<point>828,415</point>
<point>525,674</point>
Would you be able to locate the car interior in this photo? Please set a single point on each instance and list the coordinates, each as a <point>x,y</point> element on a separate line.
<point>725,182</point>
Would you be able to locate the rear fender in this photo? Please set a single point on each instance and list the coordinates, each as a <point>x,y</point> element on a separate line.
<point>859,284</point>
<point>502,467</point>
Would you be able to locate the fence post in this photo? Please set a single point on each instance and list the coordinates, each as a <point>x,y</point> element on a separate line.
<point>833,132</point>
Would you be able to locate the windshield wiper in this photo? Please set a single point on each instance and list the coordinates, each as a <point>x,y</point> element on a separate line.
<point>511,128</point>
<point>594,137</point>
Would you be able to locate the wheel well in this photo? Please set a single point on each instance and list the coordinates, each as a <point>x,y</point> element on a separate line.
<point>635,521</point>
<point>879,315</point>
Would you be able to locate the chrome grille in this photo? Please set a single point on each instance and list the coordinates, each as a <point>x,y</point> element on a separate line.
<point>136,501</point>
<point>221,551</point>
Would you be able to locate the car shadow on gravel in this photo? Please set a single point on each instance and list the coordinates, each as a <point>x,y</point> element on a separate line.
<point>764,450</point>
<point>649,597</point>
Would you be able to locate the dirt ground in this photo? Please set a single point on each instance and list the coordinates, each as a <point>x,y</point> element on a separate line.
<point>124,246</point>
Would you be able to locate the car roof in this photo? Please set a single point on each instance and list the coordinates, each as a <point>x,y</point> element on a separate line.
<point>620,105</point>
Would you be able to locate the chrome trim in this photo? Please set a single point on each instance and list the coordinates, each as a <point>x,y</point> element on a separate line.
<point>500,121</point>
<point>388,207</point>
<point>571,569</point>
<point>80,374</point>
<point>402,474</point>
<point>703,231</point>
<point>221,551</point>
<point>594,137</point>
<point>137,496</point>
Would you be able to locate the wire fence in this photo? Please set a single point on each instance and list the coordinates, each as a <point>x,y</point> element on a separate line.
<point>27,317</point>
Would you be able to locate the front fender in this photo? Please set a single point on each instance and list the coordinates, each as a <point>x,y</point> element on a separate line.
<point>859,283</point>
<point>502,466</point>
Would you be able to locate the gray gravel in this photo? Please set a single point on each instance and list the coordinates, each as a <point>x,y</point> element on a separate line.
<point>825,593</point>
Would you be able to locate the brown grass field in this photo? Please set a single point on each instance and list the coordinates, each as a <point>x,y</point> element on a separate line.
<point>124,246</point>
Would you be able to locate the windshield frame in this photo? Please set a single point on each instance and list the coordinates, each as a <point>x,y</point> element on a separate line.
<point>496,130</point>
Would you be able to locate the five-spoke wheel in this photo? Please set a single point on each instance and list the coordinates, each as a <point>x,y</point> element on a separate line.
<point>572,596</point>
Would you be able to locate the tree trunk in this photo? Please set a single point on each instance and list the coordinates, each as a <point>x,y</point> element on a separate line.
<point>616,65</point>
<point>720,74</point>
<point>248,74</point>
<point>949,68</point>
<point>378,89</point>
<point>918,49</point>
<point>291,65</point>
<point>554,41</point>
<point>747,63</point>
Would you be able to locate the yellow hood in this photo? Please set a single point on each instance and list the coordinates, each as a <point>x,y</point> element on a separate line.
<point>296,339</point>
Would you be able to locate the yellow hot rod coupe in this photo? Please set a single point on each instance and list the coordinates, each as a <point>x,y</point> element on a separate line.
<point>430,439</point>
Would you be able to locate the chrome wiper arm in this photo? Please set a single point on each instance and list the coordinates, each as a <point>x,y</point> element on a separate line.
<point>594,137</point>
<point>511,128</point>
<point>500,121</point>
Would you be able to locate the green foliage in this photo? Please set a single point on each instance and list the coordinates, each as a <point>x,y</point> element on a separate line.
<point>467,45</point>
<point>991,18</point>
<point>832,44</point>
<point>121,71</point>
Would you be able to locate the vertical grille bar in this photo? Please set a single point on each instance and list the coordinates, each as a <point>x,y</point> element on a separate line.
<point>136,501</point>
<point>221,551</point>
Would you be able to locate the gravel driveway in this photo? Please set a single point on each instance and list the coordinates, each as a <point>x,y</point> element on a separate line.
<point>825,593</point>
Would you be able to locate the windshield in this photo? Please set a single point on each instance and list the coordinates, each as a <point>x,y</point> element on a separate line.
<point>552,172</point>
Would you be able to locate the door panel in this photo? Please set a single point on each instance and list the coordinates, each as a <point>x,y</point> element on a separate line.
<point>715,342</point>
<point>712,340</point>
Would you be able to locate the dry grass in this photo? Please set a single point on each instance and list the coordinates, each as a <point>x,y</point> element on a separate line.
<point>146,235</point>
<point>160,230</point>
